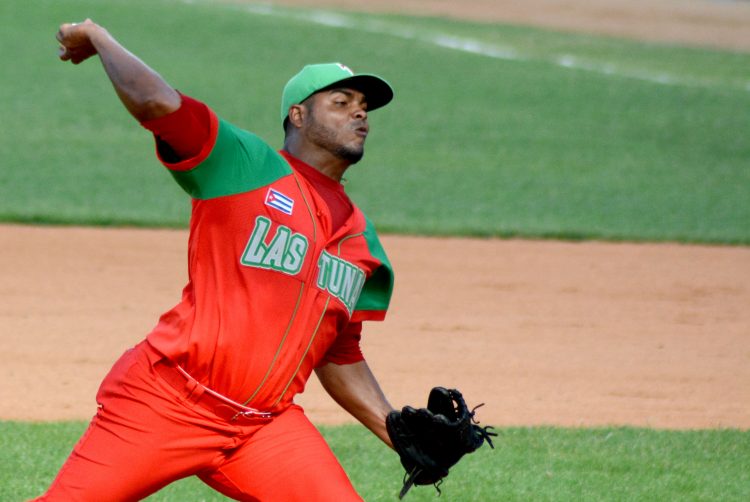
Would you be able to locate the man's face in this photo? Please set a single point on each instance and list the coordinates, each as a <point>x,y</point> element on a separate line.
<point>337,122</point>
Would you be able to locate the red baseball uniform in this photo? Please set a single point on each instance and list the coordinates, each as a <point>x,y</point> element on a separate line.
<point>282,271</point>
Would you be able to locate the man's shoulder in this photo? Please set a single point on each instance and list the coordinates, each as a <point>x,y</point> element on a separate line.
<point>239,161</point>
<point>245,146</point>
<point>231,132</point>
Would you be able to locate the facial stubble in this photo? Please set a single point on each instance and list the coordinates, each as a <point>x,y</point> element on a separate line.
<point>327,138</point>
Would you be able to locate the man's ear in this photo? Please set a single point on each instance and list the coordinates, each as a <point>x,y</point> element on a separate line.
<point>297,115</point>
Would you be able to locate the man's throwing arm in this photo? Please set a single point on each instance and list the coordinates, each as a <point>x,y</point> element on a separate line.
<point>145,94</point>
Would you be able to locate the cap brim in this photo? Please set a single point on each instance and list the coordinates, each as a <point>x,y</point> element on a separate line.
<point>377,91</point>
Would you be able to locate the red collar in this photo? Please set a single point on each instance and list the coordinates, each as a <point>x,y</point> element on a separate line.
<point>311,174</point>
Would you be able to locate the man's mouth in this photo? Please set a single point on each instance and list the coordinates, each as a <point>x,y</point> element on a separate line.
<point>361,130</point>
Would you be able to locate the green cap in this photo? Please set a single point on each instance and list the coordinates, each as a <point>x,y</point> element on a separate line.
<point>316,77</point>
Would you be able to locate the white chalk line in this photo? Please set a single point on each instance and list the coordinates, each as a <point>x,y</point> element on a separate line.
<point>469,45</point>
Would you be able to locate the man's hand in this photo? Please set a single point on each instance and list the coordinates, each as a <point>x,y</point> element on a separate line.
<point>75,41</point>
<point>143,92</point>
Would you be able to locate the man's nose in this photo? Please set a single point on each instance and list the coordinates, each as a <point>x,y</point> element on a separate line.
<point>360,113</point>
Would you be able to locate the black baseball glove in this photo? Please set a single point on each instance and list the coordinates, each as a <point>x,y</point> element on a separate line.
<point>431,440</point>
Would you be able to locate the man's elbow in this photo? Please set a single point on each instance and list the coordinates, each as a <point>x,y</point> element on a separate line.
<point>155,107</point>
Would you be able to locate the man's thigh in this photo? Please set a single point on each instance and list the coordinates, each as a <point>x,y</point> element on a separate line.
<point>140,440</point>
<point>286,460</point>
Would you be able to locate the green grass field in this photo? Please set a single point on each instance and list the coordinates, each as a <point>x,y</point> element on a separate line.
<point>551,135</point>
<point>528,464</point>
<point>512,132</point>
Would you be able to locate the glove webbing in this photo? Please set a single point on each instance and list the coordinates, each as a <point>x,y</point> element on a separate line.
<point>410,477</point>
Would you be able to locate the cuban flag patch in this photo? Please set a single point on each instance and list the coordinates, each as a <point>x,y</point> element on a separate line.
<point>279,201</point>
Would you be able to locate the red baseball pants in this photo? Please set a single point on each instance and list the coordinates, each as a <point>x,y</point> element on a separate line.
<point>146,435</point>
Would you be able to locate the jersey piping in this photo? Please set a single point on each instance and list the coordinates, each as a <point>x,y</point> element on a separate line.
<point>238,329</point>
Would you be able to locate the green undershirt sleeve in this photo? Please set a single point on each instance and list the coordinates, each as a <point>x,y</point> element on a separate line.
<point>239,162</point>
<point>376,293</point>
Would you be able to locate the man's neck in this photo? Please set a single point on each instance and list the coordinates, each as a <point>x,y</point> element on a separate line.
<point>322,160</point>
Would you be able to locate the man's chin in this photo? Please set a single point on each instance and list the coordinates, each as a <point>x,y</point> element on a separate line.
<point>351,155</point>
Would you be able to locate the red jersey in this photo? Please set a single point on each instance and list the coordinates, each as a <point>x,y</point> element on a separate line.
<point>272,282</point>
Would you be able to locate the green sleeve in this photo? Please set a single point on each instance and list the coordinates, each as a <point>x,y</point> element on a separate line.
<point>239,162</point>
<point>376,293</point>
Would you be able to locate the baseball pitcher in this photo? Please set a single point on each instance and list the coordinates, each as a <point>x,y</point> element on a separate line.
<point>283,270</point>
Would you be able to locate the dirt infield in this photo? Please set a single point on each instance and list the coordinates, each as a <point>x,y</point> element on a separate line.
<point>707,23</point>
<point>543,332</point>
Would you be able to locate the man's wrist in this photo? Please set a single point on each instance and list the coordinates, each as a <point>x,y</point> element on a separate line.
<point>97,35</point>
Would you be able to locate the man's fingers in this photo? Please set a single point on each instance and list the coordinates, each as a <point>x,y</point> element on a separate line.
<point>74,46</point>
<point>63,53</point>
<point>65,31</point>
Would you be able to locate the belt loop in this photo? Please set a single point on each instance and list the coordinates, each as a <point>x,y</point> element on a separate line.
<point>194,391</point>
